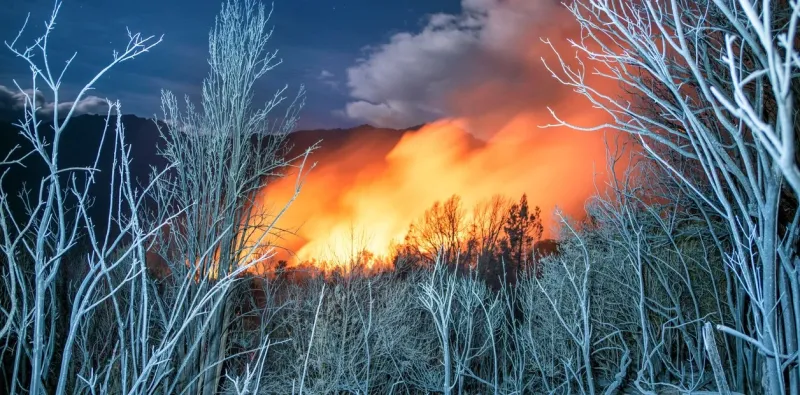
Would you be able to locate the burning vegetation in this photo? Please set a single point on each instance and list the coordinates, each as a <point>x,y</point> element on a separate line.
<point>368,197</point>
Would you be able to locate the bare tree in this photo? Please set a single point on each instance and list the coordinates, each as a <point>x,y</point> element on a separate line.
<point>126,331</point>
<point>35,248</point>
<point>466,318</point>
<point>442,226</point>
<point>477,320</point>
<point>571,333</point>
<point>646,221</point>
<point>486,227</point>
<point>712,82</point>
<point>438,297</point>
<point>224,153</point>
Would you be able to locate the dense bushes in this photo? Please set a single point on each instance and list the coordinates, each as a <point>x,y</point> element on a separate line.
<point>584,322</point>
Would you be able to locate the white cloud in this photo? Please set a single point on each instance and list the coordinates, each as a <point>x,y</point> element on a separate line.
<point>392,113</point>
<point>329,79</point>
<point>409,70</point>
<point>412,78</point>
<point>12,99</point>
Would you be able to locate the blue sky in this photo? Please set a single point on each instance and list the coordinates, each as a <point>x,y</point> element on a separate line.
<point>318,41</point>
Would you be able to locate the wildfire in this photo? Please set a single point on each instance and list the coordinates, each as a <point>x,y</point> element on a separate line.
<point>366,192</point>
<point>358,200</point>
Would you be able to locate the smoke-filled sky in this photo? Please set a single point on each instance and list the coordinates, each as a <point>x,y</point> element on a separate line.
<point>387,63</point>
<point>479,70</point>
<point>461,66</point>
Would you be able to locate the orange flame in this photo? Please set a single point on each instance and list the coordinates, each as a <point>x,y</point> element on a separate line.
<point>366,192</point>
<point>362,200</point>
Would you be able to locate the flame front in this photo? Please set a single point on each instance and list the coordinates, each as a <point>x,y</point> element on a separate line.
<point>356,200</point>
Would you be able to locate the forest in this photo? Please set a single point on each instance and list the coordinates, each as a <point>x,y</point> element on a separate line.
<point>681,275</point>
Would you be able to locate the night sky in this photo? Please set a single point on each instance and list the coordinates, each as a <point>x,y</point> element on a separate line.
<point>318,40</point>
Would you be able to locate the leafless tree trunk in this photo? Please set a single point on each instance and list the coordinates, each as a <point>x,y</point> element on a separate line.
<point>716,78</point>
<point>224,154</point>
<point>127,332</point>
<point>35,248</point>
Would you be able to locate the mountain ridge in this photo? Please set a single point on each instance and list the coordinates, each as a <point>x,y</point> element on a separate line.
<point>82,136</point>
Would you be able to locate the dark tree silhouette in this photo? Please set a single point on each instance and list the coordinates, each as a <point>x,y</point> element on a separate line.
<point>522,229</point>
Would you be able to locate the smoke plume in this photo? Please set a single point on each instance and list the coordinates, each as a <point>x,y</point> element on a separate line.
<point>479,82</point>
